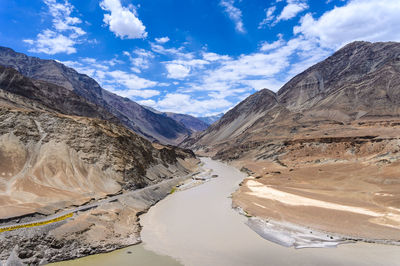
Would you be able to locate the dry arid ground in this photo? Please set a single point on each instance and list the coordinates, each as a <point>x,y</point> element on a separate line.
<point>342,179</point>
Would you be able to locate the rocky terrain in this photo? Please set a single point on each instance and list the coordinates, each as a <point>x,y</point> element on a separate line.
<point>322,152</point>
<point>148,124</point>
<point>60,151</point>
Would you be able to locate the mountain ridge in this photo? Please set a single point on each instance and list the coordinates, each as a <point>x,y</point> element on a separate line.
<point>329,135</point>
<point>148,124</point>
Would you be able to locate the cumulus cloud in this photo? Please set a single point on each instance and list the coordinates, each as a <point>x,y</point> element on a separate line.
<point>214,56</point>
<point>131,81</point>
<point>266,46</point>
<point>162,39</point>
<point>123,21</point>
<point>366,20</point>
<point>140,59</point>
<point>50,42</point>
<point>177,71</point>
<point>234,13</point>
<point>113,79</point>
<point>63,36</point>
<point>269,16</point>
<point>184,103</point>
<point>291,10</point>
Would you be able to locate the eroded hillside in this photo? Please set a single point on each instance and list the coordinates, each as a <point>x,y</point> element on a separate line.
<point>61,154</point>
<point>323,151</point>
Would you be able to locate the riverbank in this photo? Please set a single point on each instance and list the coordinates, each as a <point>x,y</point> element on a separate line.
<point>334,198</point>
<point>199,227</point>
<point>98,227</point>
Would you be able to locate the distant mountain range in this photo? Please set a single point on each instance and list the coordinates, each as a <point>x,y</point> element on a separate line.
<point>211,119</point>
<point>151,125</point>
<point>192,123</point>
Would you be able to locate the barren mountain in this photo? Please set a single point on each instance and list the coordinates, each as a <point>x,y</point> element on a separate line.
<point>325,148</point>
<point>59,152</point>
<point>144,122</point>
<point>190,122</point>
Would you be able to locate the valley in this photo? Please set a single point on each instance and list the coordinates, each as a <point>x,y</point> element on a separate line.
<point>198,227</point>
<point>280,177</point>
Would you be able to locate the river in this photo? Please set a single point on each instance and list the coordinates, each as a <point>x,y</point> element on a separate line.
<point>198,227</point>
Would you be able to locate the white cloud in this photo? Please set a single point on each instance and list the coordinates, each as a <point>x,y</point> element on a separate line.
<point>291,10</point>
<point>117,81</point>
<point>177,71</point>
<point>64,35</point>
<point>184,103</point>
<point>234,13</point>
<point>366,20</point>
<point>162,39</point>
<point>269,16</point>
<point>123,21</point>
<point>214,57</point>
<point>270,46</point>
<point>130,81</point>
<point>62,19</point>
<point>50,42</point>
<point>175,52</point>
<point>140,59</point>
<point>132,93</point>
<point>148,102</point>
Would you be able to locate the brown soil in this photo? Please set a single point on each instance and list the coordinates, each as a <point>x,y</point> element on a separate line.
<point>327,176</point>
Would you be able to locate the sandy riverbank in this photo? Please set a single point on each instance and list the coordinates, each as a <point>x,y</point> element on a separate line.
<point>199,227</point>
<point>353,200</point>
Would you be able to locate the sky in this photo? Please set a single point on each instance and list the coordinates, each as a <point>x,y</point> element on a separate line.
<point>198,57</point>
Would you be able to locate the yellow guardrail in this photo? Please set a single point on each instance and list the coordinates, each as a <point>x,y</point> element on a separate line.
<point>10,228</point>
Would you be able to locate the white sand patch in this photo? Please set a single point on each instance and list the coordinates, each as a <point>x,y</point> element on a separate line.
<point>262,191</point>
<point>259,205</point>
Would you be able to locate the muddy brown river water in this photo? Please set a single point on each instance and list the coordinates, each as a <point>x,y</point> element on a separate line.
<point>198,227</point>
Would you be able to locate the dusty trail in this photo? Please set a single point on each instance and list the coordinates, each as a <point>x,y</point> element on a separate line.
<point>86,206</point>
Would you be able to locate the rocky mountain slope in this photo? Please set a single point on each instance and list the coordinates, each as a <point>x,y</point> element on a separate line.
<point>58,150</point>
<point>144,122</point>
<point>360,81</point>
<point>330,135</point>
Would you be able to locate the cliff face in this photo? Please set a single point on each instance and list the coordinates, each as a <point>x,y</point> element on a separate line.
<point>328,136</point>
<point>144,122</point>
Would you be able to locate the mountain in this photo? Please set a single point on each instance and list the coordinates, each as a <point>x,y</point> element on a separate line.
<point>330,134</point>
<point>360,81</point>
<point>190,122</point>
<point>19,91</point>
<point>59,153</point>
<point>144,122</point>
<point>211,119</point>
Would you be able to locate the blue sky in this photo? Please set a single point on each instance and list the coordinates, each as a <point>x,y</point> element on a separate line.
<point>199,57</point>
